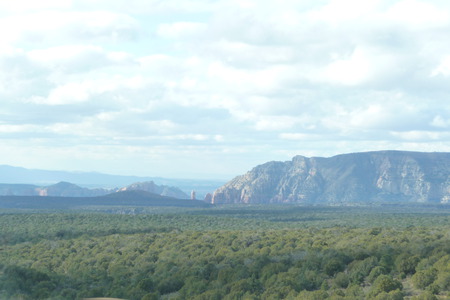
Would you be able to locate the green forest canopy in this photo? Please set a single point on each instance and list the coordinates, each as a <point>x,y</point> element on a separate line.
<point>230,252</point>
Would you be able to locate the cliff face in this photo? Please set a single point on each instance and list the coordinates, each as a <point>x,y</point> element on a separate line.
<point>383,176</point>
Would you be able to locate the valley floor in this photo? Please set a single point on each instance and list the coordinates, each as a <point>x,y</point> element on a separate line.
<point>228,252</point>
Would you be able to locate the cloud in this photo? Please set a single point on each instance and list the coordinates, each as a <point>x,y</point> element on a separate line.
<point>182,30</point>
<point>422,136</point>
<point>441,122</point>
<point>150,7</point>
<point>49,27</point>
<point>17,128</point>
<point>250,56</point>
<point>299,136</point>
<point>19,75</point>
<point>419,14</point>
<point>74,92</point>
<point>346,11</point>
<point>77,58</point>
<point>234,82</point>
<point>25,5</point>
<point>443,68</point>
<point>351,71</point>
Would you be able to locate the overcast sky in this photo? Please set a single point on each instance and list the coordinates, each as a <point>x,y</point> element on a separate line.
<point>210,89</point>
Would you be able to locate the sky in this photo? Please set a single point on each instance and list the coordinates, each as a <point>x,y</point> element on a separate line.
<point>210,89</point>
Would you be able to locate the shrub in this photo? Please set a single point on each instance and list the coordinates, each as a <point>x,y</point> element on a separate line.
<point>423,279</point>
<point>385,283</point>
<point>341,280</point>
<point>425,296</point>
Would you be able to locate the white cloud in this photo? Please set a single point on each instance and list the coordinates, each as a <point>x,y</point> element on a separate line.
<point>182,30</point>
<point>298,136</point>
<point>18,128</point>
<point>77,58</point>
<point>26,5</point>
<point>161,126</point>
<point>419,14</point>
<point>51,27</point>
<point>238,82</point>
<point>65,94</point>
<point>443,68</point>
<point>419,136</point>
<point>242,80</point>
<point>338,11</point>
<point>352,71</point>
<point>150,7</point>
<point>63,53</point>
<point>87,90</point>
<point>275,123</point>
<point>194,137</point>
<point>69,93</point>
<point>440,122</point>
<point>249,55</point>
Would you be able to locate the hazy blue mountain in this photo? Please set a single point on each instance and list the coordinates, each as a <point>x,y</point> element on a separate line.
<point>382,176</point>
<point>18,175</point>
<point>18,189</point>
<point>116,199</point>
<point>66,189</point>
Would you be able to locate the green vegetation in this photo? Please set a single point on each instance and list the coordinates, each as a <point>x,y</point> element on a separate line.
<point>229,252</point>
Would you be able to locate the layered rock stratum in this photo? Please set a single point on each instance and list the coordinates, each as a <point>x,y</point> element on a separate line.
<point>368,177</point>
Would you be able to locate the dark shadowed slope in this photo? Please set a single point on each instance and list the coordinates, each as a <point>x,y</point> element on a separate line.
<point>125,198</point>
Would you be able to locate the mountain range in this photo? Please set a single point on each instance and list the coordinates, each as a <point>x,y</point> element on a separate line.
<point>66,189</point>
<point>94,180</point>
<point>367,177</point>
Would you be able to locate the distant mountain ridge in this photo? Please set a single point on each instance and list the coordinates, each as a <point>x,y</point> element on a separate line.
<point>132,198</point>
<point>367,177</point>
<point>92,180</point>
<point>150,186</point>
<point>66,189</point>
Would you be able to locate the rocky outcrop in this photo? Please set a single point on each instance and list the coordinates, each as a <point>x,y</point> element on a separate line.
<point>66,189</point>
<point>151,187</point>
<point>208,198</point>
<point>382,176</point>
